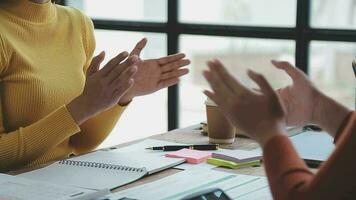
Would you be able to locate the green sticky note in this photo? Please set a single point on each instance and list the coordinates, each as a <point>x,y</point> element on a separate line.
<point>233,165</point>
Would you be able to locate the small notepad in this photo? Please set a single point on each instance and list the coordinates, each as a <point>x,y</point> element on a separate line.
<point>237,156</point>
<point>191,156</point>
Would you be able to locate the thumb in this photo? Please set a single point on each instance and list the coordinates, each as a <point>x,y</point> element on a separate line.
<point>95,63</point>
<point>292,71</point>
<point>139,47</point>
<point>261,82</point>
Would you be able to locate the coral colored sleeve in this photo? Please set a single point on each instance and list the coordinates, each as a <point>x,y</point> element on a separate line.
<point>290,178</point>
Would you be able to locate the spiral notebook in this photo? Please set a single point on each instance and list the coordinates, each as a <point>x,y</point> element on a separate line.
<point>102,169</point>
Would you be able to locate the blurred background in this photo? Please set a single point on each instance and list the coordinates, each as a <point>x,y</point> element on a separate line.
<point>316,35</point>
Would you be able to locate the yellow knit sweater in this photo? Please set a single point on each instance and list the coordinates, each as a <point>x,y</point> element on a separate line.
<point>45,50</point>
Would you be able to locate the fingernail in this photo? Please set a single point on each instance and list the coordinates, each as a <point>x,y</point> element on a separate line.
<point>125,53</point>
<point>101,54</point>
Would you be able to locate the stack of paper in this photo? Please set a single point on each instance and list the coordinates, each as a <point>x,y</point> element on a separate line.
<point>12,187</point>
<point>177,186</point>
<point>238,156</point>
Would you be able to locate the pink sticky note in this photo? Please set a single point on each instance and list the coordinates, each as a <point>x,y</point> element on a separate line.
<point>192,156</point>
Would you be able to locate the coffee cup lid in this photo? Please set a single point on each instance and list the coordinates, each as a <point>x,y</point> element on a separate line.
<point>210,102</point>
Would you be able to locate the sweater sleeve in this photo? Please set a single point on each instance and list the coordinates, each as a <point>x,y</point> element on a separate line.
<point>25,144</point>
<point>4,55</point>
<point>95,130</point>
<point>21,146</point>
<point>89,42</point>
<point>290,178</point>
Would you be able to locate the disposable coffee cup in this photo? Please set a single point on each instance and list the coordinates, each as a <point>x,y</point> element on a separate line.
<point>220,130</point>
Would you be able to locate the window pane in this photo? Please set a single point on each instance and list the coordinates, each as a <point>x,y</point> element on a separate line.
<point>239,12</point>
<point>331,71</point>
<point>334,14</point>
<point>135,10</point>
<point>237,54</point>
<point>146,115</point>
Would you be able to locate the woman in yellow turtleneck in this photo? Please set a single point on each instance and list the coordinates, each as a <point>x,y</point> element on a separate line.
<point>54,99</point>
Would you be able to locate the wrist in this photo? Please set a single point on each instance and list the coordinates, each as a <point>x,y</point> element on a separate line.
<point>319,104</point>
<point>78,109</point>
<point>329,114</point>
<point>267,133</point>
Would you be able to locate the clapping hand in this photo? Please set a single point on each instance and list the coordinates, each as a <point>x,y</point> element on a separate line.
<point>259,114</point>
<point>300,98</point>
<point>155,74</point>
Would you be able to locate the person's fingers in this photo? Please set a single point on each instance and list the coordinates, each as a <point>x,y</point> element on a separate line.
<point>125,75</point>
<point>212,96</point>
<point>256,90</point>
<point>292,71</point>
<point>114,62</point>
<point>175,65</point>
<point>122,88</point>
<point>139,47</point>
<point>261,82</point>
<point>171,58</point>
<point>234,84</point>
<point>130,62</point>
<point>95,64</point>
<point>168,83</point>
<point>218,85</point>
<point>174,74</point>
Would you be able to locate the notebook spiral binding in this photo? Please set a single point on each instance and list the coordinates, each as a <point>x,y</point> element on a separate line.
<point>101,165</point>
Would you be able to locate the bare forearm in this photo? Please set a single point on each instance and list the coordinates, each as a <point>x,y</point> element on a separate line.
<point>329,114</point>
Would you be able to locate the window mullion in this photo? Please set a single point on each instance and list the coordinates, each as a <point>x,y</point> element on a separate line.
<point>302,39</point>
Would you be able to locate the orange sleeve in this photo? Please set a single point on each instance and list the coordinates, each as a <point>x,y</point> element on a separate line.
<point>290,178</point>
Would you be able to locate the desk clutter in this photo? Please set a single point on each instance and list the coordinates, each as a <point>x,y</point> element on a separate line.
<point>177,186</point>
<point>95,174</point>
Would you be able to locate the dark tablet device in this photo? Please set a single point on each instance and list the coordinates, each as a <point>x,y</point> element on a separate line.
<point>208,194</point>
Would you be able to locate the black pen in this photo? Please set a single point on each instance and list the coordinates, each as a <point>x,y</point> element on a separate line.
<point>179,147</point>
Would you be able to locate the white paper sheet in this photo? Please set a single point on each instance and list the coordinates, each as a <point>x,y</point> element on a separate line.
<point>12,187</point>
<point>181,184</point>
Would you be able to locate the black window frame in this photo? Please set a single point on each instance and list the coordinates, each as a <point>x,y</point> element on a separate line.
<point>302,34</point>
